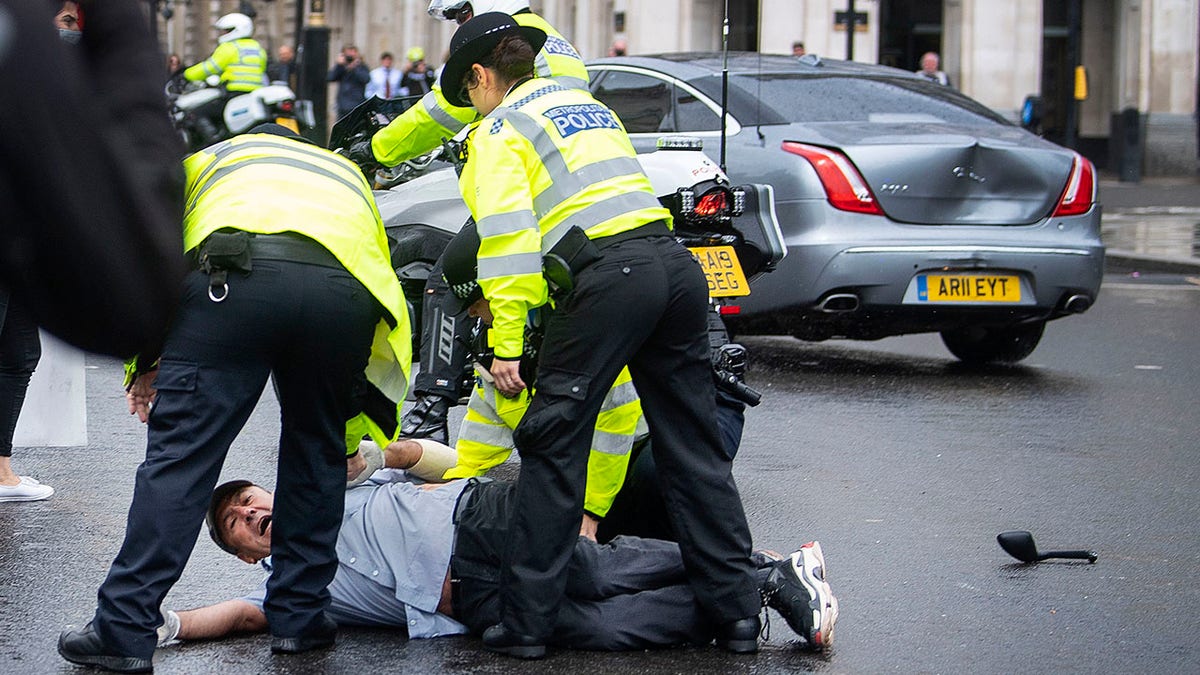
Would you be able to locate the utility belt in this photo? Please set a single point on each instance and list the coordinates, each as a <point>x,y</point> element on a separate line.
<point>226,251</point>
<point>575,252</point>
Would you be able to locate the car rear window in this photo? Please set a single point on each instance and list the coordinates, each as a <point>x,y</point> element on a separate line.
<point>807,99</point>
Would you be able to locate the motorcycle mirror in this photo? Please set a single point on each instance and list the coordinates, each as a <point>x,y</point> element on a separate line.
<point>1019,544</point>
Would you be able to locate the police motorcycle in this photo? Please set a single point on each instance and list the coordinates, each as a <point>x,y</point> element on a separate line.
<point>732,230</point>
<point>192,104</point>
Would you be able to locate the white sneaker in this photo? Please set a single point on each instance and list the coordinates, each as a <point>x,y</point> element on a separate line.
<point>28,490</point>
<point>797,588</point>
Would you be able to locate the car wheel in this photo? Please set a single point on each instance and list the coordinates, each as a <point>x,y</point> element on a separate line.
<point>994,345</point>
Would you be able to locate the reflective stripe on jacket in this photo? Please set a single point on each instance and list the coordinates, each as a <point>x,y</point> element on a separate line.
<point>485,438</point>
<point>548,158</point>
<point>241,63</point>
<point>267,184</point>
<point>422,127</point>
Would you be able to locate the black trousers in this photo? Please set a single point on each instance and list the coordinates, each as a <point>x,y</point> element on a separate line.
<point>311,328</point>
<point>643,303</point>
<point>630,593</point>
<point>20,351</point>
<point>638,508</point>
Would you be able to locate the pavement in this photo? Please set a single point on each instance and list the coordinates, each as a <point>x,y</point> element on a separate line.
<point>1153,225</point>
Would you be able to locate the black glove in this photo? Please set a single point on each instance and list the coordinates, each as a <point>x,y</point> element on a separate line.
<point>360,153</point>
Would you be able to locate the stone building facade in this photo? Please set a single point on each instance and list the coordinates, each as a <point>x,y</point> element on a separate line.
<point>1140,55</point>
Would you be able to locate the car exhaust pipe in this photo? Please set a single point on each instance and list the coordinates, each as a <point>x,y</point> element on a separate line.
<point>839,302</point>
<point>1077,304</point>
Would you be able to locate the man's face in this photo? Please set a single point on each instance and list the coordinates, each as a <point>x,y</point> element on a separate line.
<point>929,63</point>
<point>286,54</point>
<point>244,521</point>
<point>386,62</point>
<point>67,17</point>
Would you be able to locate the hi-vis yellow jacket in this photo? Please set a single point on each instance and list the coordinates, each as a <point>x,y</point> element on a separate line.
<point>548,158</point>
<point>241,63</point>
<point>485,438</point>
<point>267,184</point>
<point>422,127</point>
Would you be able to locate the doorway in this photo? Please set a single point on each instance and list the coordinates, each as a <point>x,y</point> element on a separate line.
<point>908,29</point>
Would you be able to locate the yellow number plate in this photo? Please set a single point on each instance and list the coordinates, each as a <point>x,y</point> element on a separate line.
<point>968,288</point>
<point>723,271</point>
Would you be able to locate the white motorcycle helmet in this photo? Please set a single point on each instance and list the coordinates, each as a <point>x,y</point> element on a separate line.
<point>233,27</point>
<point>446,9</point>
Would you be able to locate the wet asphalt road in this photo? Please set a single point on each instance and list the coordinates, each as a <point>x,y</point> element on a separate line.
<point>904,463</point>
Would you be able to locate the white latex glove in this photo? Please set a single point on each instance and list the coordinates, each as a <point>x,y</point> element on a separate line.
<point>170,628</point>
<point>374,456</point>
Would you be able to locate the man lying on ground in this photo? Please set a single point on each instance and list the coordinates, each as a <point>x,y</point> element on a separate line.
<point>396,568</point>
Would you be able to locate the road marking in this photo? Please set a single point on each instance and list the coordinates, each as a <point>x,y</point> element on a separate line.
<point>1147,367</point>
<point>1148,287</point>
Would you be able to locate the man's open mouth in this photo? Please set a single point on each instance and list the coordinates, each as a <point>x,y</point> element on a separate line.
<point>263,524</point>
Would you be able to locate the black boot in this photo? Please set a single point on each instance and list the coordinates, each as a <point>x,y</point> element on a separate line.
<point>427,419</point>
<point>741,636</point>
<point>85,648</point>
<point>323,637</point>
<point>501,640</point>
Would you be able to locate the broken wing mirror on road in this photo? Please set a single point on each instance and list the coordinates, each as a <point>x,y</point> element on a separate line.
<point>1019,544</point>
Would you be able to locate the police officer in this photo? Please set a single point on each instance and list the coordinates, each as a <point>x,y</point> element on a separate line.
<point>553,183</point>
<point>299,291</point>
<point>485,438</point>
<point>417,131</point>
<point>238,59</point>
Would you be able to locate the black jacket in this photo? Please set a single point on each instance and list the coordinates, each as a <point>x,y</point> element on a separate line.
<point>91,184</point>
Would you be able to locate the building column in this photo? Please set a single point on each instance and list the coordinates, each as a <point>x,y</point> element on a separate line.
<point>992,51</point>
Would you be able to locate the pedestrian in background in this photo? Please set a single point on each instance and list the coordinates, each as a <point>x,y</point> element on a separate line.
<point>292,281</point>
<point>929,69</point>
<point>174,63</point>
<point>352,77</point>
<point>385,80</point>
<point>419,78</point>
<point>283,68</point>
<point>20,346</point>
<point>798,48</point>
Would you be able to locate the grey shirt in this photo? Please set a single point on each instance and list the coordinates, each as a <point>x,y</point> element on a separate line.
<point>393,553</point>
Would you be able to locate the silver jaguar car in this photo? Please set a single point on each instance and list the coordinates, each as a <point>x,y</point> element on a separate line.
<point>906,206</point>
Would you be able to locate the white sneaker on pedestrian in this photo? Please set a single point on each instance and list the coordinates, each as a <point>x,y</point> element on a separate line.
<point>28,490</point>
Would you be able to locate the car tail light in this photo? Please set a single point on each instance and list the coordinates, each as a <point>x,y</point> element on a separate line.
<point>844,185</point>
<point>1080,192</point>
<point>287,105</point>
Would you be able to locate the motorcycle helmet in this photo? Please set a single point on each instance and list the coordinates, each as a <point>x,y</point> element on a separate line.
<point>233,27</point>
<point>447,9</point>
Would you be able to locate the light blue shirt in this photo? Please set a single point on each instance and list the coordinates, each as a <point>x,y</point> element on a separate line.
<point>393,554</point>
